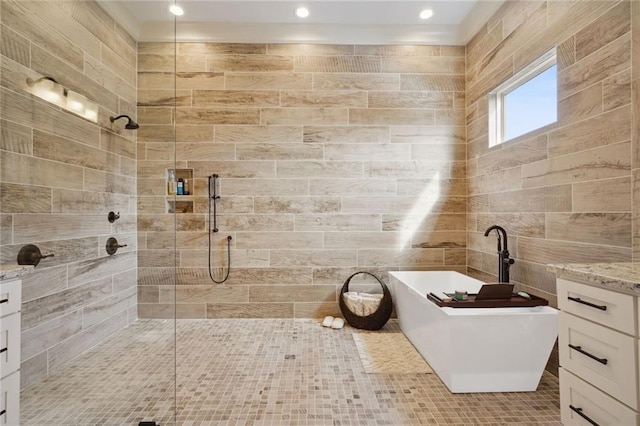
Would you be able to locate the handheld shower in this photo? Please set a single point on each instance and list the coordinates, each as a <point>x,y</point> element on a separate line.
<point>131,125</point>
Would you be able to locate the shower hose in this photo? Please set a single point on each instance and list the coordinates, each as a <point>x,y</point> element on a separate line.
<point>213,215</point>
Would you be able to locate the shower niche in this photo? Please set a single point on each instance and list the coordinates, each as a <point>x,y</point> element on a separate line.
<point>179,190</point>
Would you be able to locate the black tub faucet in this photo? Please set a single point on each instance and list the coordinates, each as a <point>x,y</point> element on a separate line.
<point>504,262</point>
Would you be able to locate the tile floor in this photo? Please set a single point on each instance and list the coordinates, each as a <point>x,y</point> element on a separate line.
<point>259,372</point>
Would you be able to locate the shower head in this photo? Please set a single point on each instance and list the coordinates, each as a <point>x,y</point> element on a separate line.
<point>131,125</point>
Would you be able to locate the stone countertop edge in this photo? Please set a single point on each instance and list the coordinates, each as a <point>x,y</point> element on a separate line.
<point>622,277</point>
<point>8,272</point>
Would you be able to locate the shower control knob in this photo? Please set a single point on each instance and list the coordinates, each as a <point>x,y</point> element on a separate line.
<point>31,255</point>
<point>113,246</point>
<point>112,217</point>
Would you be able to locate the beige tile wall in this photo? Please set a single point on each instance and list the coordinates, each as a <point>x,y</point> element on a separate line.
<point>61,175</point>
<point>332,158</point>
<point>564,192</point>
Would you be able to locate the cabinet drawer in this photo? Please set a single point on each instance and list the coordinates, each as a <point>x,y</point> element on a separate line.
<point>603,357</point>
<point>606,307</point>
<point>10,341</point>
<point>10,295</point>
<point>592,403</point>
<point>10,399</point>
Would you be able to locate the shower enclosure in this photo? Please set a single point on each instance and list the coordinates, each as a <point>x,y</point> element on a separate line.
<point>83,178</point>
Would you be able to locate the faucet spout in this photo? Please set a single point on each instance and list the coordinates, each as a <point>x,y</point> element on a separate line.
<point>504,261</point>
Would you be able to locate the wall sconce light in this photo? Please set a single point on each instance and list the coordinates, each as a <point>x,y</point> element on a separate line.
<point>51,91</point>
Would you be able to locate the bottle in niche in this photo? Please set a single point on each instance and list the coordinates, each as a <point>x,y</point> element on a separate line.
<point>186,187</point>
<point>171,182</point>
<point>180,187</point>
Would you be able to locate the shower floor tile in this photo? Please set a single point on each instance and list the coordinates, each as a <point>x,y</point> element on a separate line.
<point>259,372</point>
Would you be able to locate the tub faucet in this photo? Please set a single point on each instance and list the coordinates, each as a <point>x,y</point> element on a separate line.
<point>504,261</point>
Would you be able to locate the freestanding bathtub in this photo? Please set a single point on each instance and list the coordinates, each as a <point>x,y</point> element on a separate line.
<point>473,350</point>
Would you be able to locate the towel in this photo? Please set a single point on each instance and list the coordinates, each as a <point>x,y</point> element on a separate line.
<point>362,304</point>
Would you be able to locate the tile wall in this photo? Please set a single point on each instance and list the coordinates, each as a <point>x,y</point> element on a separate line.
<point>564,193</point>
<point>332,159</point>
<point>61,175</point>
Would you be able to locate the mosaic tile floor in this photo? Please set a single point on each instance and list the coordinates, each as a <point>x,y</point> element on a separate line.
<point>259,372</point>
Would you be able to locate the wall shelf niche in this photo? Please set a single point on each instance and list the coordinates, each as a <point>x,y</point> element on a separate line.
<point>179,203</point>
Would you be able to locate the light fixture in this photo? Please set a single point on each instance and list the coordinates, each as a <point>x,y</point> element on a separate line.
<point>176,10</point>
<point>50,90</point>
<point>426,14</point>
<point>302,12</point>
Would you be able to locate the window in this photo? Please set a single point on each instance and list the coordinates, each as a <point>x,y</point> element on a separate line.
<point>525,102</point>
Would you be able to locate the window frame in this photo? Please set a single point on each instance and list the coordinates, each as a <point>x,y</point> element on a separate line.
<point>496,111</point>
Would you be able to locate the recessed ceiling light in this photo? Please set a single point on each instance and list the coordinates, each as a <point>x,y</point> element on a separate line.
<point>302,12</point>
<point>176,10</point>
<point>426,14</point>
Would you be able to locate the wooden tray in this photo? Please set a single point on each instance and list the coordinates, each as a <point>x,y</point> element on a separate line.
<point>516,301</point>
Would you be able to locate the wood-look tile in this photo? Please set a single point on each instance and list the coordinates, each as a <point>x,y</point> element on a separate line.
<point>304,116</point>
<point>156,47</point>
<point>99,181</point>
<point>6,229</point>
<point>211,48</point>
<point>263,222</point>
<point>605,129</point>
<point>610,59</point>
<point>241,257</point>
<point>609,195</point>
<point>280,151</point>
<point>41,32</point>
<point>323,98</point>
<point>552,251</point>
<point>42,337</point>
<point>249,63</point>
<point>428,134</point>
<point>581,106</point>
<point>164,97</point>
<point>401,205</point>
<point>408,169</point>
<point>484,41</point>
<point>616,91</point>
<point>287,258</point>
<point>15,138</point>
<point>302,293</point>
<point>154,115</point>
<point>523,152</point>
<point>420,187</point>
<point>56,148</point>
<point>345,134</point>
<point>193,151</point>
<point>108,308</point>
<point>600,163</point>
<point>57,226</point>
<point>207,294</point>
<point>516,224</point>
<point>608,27</point>
<point>24,199</point>
<point>337,222</point>
<point>278,240</point>
<point>110,80</point>
<point>118,65</point>
<point>14,46</point>
<point>66,201</point>
<point>258,134</point>
<point>297,205</point>
<point>21,169</point>
<point>303,49</point>
<point>399,50</point>
<point>249,310</point>
<point>319,169</point>
<point>612,229</point>
<point>356,81</point>
<point>362,240</point>
<point>235,98</point>
<point>334,64</point>
<point>316,310</point>
<point>372,152</point>
<point>352,187</point>
<point>268,80</point>
<point>173,311</point>
<point>544,199</point>
<point>413,99</point>
<point>421,64</point>
<point>233,169</point>
<point>404,257</point>
<point>218,116</point>
<point>264,187</point>
<point>439,239</point>
<point>438,152</point>
<point>432,82</point>
<point>502,180</point>
<point>566,53</point>
<point>386,116</point>
<point>249,276</point>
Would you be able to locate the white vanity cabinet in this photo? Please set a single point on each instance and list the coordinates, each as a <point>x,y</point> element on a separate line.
<point>10,302</point>
<point>598,345</point>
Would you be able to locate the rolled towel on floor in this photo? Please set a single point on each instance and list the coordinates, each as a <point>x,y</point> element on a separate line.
<point>327,321</point>
<point>362,304</point>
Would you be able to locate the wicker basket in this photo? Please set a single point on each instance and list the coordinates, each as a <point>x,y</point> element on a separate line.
<point>376,320</point>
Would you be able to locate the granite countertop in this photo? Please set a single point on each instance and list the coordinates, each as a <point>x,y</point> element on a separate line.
<point>8,272</point>
<point>623,277</point>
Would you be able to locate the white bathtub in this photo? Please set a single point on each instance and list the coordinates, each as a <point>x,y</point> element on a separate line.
<point>473,350</point>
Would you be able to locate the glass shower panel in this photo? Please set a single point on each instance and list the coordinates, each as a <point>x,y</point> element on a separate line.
<point>85,211</point>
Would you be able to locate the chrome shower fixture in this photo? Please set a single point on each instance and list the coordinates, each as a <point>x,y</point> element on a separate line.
<point>131,125</point>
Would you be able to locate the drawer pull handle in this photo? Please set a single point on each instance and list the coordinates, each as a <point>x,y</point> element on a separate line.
<point>3,350</point>
<point>3,412</point>
<point>583,352</point>
<point>584,416</point>
<point>578,300</point>
<point>4,301</point>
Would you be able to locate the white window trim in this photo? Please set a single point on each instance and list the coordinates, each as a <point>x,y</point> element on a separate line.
<point>496,96</point>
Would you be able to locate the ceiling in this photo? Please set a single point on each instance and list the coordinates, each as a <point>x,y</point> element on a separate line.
<point>454,22</point>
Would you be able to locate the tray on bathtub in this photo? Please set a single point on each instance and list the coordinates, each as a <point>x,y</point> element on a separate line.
<point>516,301</point>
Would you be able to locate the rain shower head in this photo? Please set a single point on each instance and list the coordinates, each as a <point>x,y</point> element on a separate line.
<point>131,125</point>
